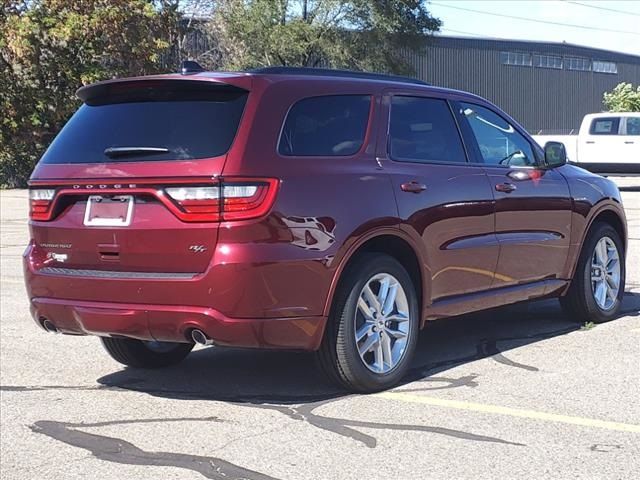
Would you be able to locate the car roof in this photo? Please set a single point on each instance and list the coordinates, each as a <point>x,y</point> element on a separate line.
<point>612,114</point>
<point>281,74</point>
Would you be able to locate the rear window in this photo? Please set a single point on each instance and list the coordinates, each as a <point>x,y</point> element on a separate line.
<point>331,126</point>
<point>605,126</point>
<point>633,125</point>
<point>422,130</point>
<point>188,125</point>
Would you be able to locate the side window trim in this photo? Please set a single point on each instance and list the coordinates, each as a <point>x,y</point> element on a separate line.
<point>471,144</point>
<point>478,156</point>
<point>389,95</point>
<point>467,154</point>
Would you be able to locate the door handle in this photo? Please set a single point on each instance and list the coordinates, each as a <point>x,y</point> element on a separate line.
<point>505,187</point>
<point>413,187</point>
<point>628,143</point>
<point>590,142</point>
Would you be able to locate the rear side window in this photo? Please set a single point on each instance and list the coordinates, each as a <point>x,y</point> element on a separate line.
<point>633,125</point>
<point>333,125</point>
<point>179,126</point>
<point>423,130</point>
<point>605,126</point>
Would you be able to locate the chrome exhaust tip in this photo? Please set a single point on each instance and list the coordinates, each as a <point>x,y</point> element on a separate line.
<point>200,338</point>
<point>49,326</point>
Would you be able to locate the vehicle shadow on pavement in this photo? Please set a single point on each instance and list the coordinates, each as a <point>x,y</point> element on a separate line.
<point>288,383</point>
<point>288,378</point>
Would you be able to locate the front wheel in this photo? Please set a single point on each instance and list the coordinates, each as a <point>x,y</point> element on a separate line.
<point>596,291</point>
<point>373,326</point>
<point>143,354</point>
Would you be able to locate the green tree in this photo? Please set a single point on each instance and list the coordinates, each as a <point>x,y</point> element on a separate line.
<point>356,34</point>
<point>50,48</point>
<point>623,98</point>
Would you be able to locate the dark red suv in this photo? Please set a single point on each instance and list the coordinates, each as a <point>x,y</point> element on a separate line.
<point>306,209</point>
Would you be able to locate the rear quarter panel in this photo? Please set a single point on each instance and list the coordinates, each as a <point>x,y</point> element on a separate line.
<point>286,263</point>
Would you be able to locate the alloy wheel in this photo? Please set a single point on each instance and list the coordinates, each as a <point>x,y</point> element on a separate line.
<point>382,323</point>
<point>605,273</point>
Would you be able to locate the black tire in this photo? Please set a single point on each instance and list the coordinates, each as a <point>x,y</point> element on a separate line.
<point>138,354</point>
<point>579,303</point>
<point>338,356</point>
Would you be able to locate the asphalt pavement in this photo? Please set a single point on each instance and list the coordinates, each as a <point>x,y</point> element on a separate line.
<point>517,392</point>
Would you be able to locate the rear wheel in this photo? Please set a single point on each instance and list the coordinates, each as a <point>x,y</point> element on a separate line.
<point>596,291</point>
<point>143,354</point>
<point>373,327</point>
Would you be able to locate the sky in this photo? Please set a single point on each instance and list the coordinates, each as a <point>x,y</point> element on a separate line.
<point>593,14</point>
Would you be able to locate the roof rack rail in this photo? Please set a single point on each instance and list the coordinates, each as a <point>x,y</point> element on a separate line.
<point>329,72</point>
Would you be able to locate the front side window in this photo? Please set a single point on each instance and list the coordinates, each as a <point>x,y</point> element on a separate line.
<point>423,130</point>
<point>333,126</point>
<point>498,141</point>
<point>605,126</point>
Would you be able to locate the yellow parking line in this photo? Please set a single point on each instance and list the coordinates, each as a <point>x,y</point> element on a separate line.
<point>512,412</point>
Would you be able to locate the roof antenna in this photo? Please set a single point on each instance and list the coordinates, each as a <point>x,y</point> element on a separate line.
<point>190,66</point>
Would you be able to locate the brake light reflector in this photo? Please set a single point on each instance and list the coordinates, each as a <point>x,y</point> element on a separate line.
<point>40,203</point>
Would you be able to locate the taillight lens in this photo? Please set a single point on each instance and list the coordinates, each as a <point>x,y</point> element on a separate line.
<point>197,200</point>
<point>40,203</point>
<point>236,199</point>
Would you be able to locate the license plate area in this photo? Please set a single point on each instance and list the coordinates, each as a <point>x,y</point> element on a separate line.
<point>109,211</point>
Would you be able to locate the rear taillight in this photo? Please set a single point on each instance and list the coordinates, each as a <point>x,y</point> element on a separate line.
<point>237,199</point>
<point>40,201</point>
<point>197,200</point>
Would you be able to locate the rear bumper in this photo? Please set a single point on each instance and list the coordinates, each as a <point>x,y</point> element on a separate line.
<point>174,323</point>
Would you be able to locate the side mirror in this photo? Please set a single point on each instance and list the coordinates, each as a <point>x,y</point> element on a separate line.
<point>555,155</point>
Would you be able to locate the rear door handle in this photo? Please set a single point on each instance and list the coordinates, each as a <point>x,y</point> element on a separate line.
<point>629,143</point>
<point>413,187</point>
<point>590,142</point>
<point>505,187</point>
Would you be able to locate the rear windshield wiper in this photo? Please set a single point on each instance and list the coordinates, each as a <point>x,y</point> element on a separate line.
<point>113,152</point>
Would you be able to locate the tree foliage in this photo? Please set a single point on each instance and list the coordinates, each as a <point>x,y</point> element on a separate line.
<point>623,98</point>
<point>355,34</point>
<point>50,48</point>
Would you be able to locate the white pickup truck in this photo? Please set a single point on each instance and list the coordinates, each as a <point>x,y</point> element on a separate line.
<point>607,143</point>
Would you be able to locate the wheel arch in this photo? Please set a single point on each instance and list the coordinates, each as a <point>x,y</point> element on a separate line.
<point>396,244</point>
<point>610,215</point>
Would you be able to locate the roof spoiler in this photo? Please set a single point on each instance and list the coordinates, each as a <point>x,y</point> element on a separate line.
<point>153,88</point>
